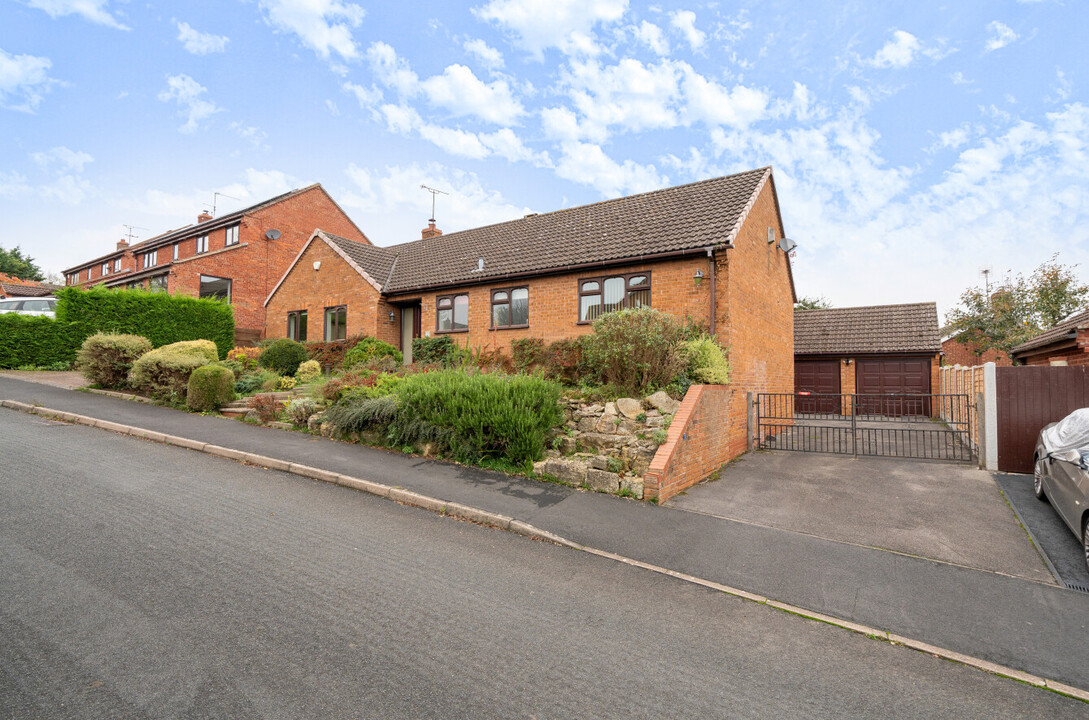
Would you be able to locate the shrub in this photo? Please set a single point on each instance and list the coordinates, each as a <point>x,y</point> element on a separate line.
<point>634,350</point>
<point>160,317</point>
<point>527,353</point>
<point>439,350</point>
<point>236,368</point>
<point>164,374</point>
<point>283,355</point>
<point>246,356</point>
<point>332,390</point>
<point>249,384</point>
<point>210,388</point>
<point>268,408</point>
<point>285,383</point>
<point>332,353</point>
<point>107,359</point>
<point>197,348</point>
<point>491,359</point>
<point>363,414</point>
<point>707,362</point>
<point>37,341</point>
<point>378,385</point>
<point>564,360</point>
<point>368,349</point>
<point>308,371</point>
<point>299,410</point>
<point>478,415</point>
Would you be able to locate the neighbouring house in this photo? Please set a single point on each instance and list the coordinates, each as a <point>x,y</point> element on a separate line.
<point>956,351</point>
<point>874,350</point>
<point>712,251</point>
<point>11,286</point>
<point>1065,344</point>
<point>238,256</point>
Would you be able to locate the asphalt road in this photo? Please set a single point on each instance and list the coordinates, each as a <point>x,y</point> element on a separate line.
<point>138,580</point>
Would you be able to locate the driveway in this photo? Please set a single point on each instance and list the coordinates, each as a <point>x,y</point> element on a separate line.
<point>68,379</point>
<point>945,512</point>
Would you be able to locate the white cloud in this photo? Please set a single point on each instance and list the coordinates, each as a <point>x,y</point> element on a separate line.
<point>509,146</point>
<point>200,43</point>
<point>1001,35</point>
<point>898,52</point>
<point>324,26</point>
<point>92,10</point>
<point>253,135</point>
<point>367,98</point>
<point>652,36</point>
<point>187,93</point>
<point>486,54</point>
<point>66,184</point>
<point>183,206</point>
<point>62,157</point>
<point>454,141</point>
<point>460,92</point>
<point>587,164</point>
<point>685,22</point>
<point>953,138</point>
<point>24,80</point>
<point>397,209</point>
<point>564,24</point>
<point>392,71</point>
<point>715,104</point>
<point>959,79</point>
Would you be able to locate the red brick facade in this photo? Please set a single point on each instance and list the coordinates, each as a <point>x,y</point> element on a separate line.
<point>253,264</point>
<point>1074,353</point>
<point>695,445</point>
<point>966,354</point>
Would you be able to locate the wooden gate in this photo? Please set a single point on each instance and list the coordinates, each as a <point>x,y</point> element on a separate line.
<point>1027,399</point>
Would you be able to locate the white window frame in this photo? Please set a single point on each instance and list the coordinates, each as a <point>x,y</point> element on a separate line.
<point>117,265</point>
<point>105,269</point>
<point>202,244</point>
<point>176,246</point>
<point>151,258</point>
<point>230,236</point>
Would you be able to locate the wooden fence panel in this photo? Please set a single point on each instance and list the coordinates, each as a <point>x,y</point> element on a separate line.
<point>1029,398</point>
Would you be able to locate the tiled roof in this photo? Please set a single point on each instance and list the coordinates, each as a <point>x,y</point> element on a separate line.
<point>683,218</point>
<point>13,286</point>
<point>873,329</point>
<point>1059,332</point>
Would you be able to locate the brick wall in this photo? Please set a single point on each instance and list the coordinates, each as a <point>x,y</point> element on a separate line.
<point>960,353</point>
<point>696,445</point>
<point>1077,355</point>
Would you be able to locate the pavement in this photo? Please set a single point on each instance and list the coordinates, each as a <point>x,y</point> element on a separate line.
<point>1029,626</point>
<point>950,512</point>
<point>140,580</point>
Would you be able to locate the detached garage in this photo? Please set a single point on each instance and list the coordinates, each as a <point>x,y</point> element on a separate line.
<point>868,351</point>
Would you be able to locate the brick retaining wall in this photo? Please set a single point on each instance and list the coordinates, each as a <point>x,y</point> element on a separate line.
<point>699,441</point>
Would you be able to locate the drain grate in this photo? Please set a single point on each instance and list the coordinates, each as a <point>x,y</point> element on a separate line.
<point>1079,588</point>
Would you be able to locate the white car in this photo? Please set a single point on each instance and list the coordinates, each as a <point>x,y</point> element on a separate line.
<point>30,306</point>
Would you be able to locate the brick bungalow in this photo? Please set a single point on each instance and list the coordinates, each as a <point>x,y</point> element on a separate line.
<point>710,250</point>
<point>875,350</point>
<point>238,256</point>
<point>959,352</point>
<point>1065,344</point>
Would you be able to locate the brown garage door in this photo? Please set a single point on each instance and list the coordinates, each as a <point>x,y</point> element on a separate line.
<point>816,376</point>
<point>883,383</point>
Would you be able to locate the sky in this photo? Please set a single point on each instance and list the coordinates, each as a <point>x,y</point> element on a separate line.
<point>913,144</point>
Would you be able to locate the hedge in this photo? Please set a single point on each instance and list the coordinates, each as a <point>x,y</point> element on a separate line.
<point>160,317</point>
<point>37,340</point>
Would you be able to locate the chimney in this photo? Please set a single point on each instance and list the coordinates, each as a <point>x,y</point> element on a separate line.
<point>431,231</point>
<point>204,216</point>
<point>122,244</point>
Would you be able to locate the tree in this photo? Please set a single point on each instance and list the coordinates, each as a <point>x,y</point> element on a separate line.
<point>1007,316</point>
<point>14,262</point>
<point>813,303</point>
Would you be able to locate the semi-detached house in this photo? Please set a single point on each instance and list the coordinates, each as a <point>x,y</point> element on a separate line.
<point>237,257</point>
<point>713,251</point>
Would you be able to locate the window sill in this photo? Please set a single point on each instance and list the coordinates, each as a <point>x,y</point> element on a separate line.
<point>451,332</point>
<point>509,327</point>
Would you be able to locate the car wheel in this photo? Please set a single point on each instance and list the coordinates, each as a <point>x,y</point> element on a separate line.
<point>1039,468</point>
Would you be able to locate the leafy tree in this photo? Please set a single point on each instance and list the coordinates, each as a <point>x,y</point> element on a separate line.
<point>14,262</point>
<point>818,302</point>
<point>1018,310</point>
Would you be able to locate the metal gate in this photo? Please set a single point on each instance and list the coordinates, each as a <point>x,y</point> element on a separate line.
<point>922,426</point>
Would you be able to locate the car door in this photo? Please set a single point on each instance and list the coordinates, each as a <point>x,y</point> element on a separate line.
<point>10,305</point>
<point>1064,490</point>
<point>36,307</point>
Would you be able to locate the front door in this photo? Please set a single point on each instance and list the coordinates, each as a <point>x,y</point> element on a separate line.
<point>410,329</point>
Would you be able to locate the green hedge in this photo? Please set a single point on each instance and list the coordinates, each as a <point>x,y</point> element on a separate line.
<point>36,340</point>
<point>160,317</point>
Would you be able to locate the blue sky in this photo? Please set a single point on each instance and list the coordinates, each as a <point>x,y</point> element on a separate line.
<point>913,143</point>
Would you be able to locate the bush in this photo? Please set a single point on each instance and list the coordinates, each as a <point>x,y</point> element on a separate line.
<point>527,353</point>
<point>635,350</point>
<point>268,408</point>
<point>210,388</point>
<point>565,360</point>
<point>249,384</point>
<point>308,371</point>
<point>707,362</point>
<point>37,341</point>
<point>160,317</point>
<point>205,349</point>
<point>164,374</point>
<point>439,350</point>
<point>332,353</point>
<point>299,410</point>
<point>477,415</point>
<point>376,386</point>
<point>245,356</point>
<point>368,349</point>
<point>285,383</point>
<point>332,390</point>
<point>363,414</point>
<point>107,359</point>
<point>283,355</point>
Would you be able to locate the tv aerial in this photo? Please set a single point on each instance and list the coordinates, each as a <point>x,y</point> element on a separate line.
<point>433,192</point>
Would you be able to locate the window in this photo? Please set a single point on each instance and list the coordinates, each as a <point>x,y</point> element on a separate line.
<point>296,325</point>
<point>89,273</point>
<point>73,278</point>
<point>176,250</point>
<point>598,296</point>
<point>232,236</point>
<point>452,313</point>
<point>215,287</point>
<point>157,283</point>
<point>117,265</point>
<point>151,259</point>
<point>202,244</point>
<point>336,323</point>
<point>510,308</point>
<point>135,285</point>
<point>105,269</point>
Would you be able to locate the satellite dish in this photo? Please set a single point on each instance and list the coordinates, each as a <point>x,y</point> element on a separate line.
<point>787,244</point>
<point>272,234</point>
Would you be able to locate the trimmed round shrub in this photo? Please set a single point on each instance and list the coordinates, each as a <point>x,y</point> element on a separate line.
<point>107,359</point>
<point>634,350</point>
<point>198,348</point>
<point>164,374</point>
<point>210,388</point>
<point>283,355</point>
<point>308,371</point>
<point>368,349</point>
<point>707,362</point>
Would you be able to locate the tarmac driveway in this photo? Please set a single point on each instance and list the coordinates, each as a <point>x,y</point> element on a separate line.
<point>942,511</point>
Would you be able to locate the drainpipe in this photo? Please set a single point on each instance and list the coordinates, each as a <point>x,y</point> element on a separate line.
<point>711,279</point>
